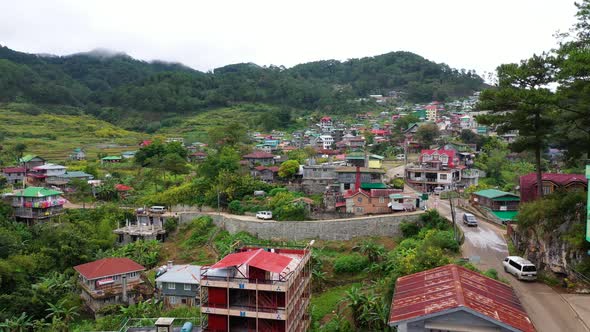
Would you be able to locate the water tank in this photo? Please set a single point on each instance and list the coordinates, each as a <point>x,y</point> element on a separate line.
<point>187,327</point>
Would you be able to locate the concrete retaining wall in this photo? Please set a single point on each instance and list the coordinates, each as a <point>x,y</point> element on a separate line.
<point>336,229</point>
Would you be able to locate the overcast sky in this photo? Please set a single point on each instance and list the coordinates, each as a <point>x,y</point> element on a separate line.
<point>471,34</point>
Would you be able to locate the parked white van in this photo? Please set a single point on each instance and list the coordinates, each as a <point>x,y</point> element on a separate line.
<point>158,209</point>
<point>266,215</point>
<point>521,268</point>
<point>400,157</point>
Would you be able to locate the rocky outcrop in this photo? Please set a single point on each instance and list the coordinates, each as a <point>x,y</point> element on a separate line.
<point>557,249</point>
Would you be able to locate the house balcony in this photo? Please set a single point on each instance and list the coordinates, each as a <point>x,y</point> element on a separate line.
<point>244,311</point>
<point>105,291</point>
<point>471,174</point>
<point>31,213</point>
<point>245,283</point>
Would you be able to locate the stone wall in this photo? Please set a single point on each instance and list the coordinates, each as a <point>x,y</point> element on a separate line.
<point>335,229</point>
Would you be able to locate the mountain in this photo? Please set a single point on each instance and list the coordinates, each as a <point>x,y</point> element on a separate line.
<point>115,87</point>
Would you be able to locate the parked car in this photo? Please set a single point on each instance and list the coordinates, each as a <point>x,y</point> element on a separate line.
<point>400,157</point>
<point>469,220</point>
<point>521,268</point>
<point>266,215</point>
<point>158,209</point>
<point>438,190</point>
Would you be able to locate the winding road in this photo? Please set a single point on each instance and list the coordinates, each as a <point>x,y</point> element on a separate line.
<point>550,310</point>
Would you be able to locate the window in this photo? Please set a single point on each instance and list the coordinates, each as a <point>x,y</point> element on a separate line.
<point>172,299</point>
<point>443,176</point>
<point>360,199</point>
<point>187,286</point>
<point>381,199</point>
<point>515,265</point>
<point>547,189</point>
<point>115,277</point>
<point>171,285</point>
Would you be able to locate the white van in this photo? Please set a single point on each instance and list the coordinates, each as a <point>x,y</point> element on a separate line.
<point>400,157</point>
<point>266,215</point>
<point>158,209</point>
<point>521,268</point>
<point>438,190</point>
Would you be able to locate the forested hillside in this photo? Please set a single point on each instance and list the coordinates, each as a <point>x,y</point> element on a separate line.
<point>116,87</point>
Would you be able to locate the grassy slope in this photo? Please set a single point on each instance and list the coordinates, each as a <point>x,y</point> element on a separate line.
<point>55,136</point>
<point>195,128</point>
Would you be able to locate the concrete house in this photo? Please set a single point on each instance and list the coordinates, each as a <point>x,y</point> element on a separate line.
<point>264,173</point>
<point>179,285</point>
<point>48,174</point>
<point>436,168</point>
<point>346,177</point>
<point>111,281</point>
<point>453,298</point>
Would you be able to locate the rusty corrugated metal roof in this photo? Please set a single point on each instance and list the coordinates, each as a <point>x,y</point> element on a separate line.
<point>451,286</point>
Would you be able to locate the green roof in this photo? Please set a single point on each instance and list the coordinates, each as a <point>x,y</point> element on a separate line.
<point>37,192</point>
<point>111,158</point>
<point>420,113</point>
<point>497,195</point>
<point>368,185</point>
<point>396,196</point>
<point>351,157</point>
<point>376,156</point>
<point>28,158</point>
<point>505,215</point>
<point>77,174</point>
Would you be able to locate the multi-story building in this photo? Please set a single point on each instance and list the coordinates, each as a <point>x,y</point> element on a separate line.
<point>257,289</point>
<point>37,203</point>
<point>31,161</point>
<point>111,281</point>
<point>551,183</point>
<point>317,178</point>
<point>431,113</point>
<point>346,177</point>
<point>48,174</point>
<point>437,168</point>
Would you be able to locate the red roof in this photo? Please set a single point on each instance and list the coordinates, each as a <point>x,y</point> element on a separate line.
<point>259,155</point>
<point>273,169</point>
<point>450,287</point>
<point>122,187</point>
<point>8,170</point>
<point>259,258</point>
<point>528,183</point>
<point>145,142</point>
<point>199,154</point>
<point>108,267</point>
<point>326,119</point>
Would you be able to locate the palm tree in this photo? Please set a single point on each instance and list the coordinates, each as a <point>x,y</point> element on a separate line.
<point>318,279</point>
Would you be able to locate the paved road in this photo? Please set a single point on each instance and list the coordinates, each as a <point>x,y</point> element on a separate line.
<point>549,310</point>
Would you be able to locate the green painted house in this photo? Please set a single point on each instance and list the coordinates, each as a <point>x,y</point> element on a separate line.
<point>503,205</point>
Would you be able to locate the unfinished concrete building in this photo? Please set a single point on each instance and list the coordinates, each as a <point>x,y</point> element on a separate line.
<point>146,226</point>
<point>257,289</point>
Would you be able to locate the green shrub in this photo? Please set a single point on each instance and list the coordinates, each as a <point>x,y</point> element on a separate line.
<point>491,273</point>
<point>236,207</point>
<point>441,239</point>
<point>350,263</point>
<point>275,191</point>
<point>171,224</point>
<point>409,229</point>
<point>199,229</point>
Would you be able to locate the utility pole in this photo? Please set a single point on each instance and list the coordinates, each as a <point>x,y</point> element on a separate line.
<point>588,207</point>
<point>453,216</point>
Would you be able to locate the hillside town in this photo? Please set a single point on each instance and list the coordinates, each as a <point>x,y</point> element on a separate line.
<point>256,174</point>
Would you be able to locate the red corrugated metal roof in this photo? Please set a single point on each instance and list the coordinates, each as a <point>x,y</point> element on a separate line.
<point>259,258</point>
<point>107,267</point>
<point>450,287</point>
<point>259,155</point>
<point>122,187</point>
<point>528,183</point>
<point>14,170</point>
